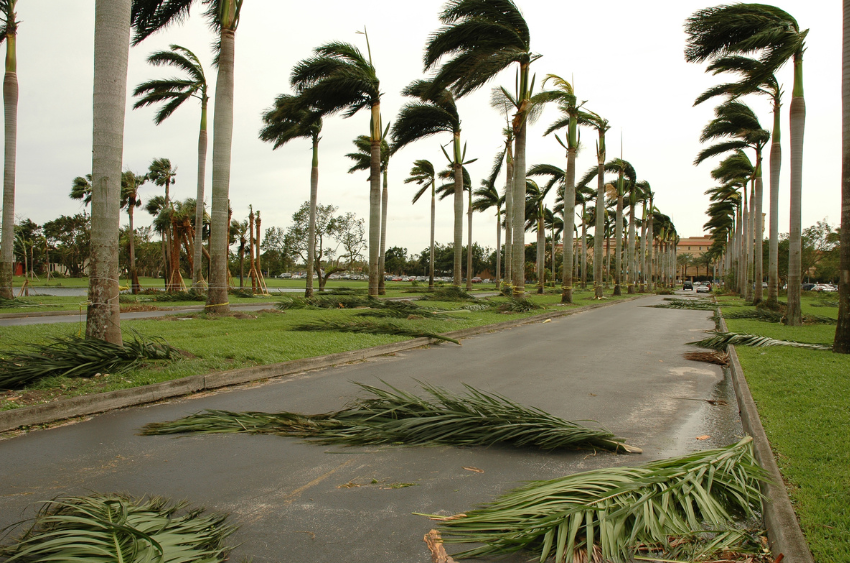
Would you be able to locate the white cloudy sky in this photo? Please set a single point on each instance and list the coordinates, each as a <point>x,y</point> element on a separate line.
<point>626,58</point>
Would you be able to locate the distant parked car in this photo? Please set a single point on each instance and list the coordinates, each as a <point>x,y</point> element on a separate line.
<point>806,286</point>
<point>703,289</point>
<point>687,286</point>
<point>476,279</point>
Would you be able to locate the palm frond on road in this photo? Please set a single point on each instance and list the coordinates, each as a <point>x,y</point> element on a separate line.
<point>110,527</point>
<point>693,304</point>
<point>723,339</point>
<point>615,510</point>
<point>476,418</point>
<point>74,356</point>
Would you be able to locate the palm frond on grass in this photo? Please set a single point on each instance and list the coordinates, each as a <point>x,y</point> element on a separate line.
<point>825,303</point>
<point>765,315</point>
<point>111,527</point>
<point>344,291</point>
<point>74,356</point>
<point>342,301</point>
<point>616,509</point>
<point>518,305</point>
<point>395,309</point>
<point>11,303</point>
<point>475,418</point>
<point>450,293</point>
<point>693,304</point>
<point>369,327</point>
<point>723,339</point>
<point>239,292</point>
<point>190,295</point>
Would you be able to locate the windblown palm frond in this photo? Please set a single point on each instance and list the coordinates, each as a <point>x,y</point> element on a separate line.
<point>111,527</point>
<point>393,416</point>
<point>173,92</point>
<point>73,356</point>
<point>723,339</point>
<point>288,120</point>
<point>368,327</point>
<point>612,511</point>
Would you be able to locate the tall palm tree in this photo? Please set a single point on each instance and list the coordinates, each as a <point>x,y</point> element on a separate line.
<point>736,127</point>
<point>9,34</point>
<point>282,123</point>
<point>150,16</point>
<point>363,161</point>
<point>734,173</point>
<point>172,93</point>
<point>444,191</point>
<point>503,106</point>
<point>130,184</point>
<point>487,198</point>
<point>435,111</point>
<point>755,79</point>
<point>161,173</point>
<point>841,343</point>
<point>339,78</point>
<point>535,215</point>
<point>484,37</point>
<point>646,206</point>
<point>777,37</point>
<point>424,175</point>
<point>601,125</point>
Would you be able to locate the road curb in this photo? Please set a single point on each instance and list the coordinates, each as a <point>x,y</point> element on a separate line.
<point>101,402</point>
<point>783,530</point>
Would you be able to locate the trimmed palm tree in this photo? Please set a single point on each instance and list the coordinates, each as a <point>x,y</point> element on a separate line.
<point>282,123</point>
<point>9,34</point>
<point>484,38</point>
<point>755,79</point>
<point>150,16</point>
<point>487,198</point>
<point>172,93</point>
<point>130,184</point>
<point>841,343</point>
<point>777,37</point>
<point>339,78</point>
<point>435,111</point>
<point>424,175</point>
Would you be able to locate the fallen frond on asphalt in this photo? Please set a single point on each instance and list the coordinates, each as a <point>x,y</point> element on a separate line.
<point>450,293</point>
<point>612,513</point>
<point>74,356</point>
<point>718,358</point>
<point>723,339</point>
<point>694,304</point>
<point>370,327</point>
<point>392,416</point>
<point>111,527</point>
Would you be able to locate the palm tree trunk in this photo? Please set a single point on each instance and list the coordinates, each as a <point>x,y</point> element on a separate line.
<point>509,212</point>
<point>584,245</point>
<point>758,238</point>
<point>742,246</point>
<point>541,249</point>
<point>518,257</point>
<point>750,236</point>
<point>111,52</point>
<point>222,144</point>
<point>198,264</point>
<point>469,272</point>
<point>433,223</point>
<point>384,196</point>
<point>241,266</point>
<point>649,236</point>
<point>569,223</point>
<point>10,111</point>
<point>498,244</point>
<point>642,251</point>
<point>794,314</point>
<point>457,274</point>
<point>618,238</point>
<point>632,278</point>
<point>134,278</point>
<point>841,344</point>
<point>773,250</point>
<point>311,228</point>
<point>375,201</point>
<point>599,231</point>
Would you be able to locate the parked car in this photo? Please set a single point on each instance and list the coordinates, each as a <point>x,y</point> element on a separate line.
<point>703,289</point>
<point>824,287</point>
<point>476,279</point>
<point>687,286</point>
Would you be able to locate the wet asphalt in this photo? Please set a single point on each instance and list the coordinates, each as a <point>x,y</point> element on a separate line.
<point>621,366</point>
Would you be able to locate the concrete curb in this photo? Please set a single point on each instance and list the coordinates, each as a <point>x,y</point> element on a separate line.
<point>101,402</point>
<point>783,530</point>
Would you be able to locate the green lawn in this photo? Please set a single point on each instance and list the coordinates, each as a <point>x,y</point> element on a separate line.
<point>243,340</point>
<point>803,398</point>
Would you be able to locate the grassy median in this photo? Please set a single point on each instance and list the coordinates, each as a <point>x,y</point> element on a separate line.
<point>803,399</point>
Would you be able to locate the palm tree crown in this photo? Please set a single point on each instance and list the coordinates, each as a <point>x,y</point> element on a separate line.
<point>173,92</point>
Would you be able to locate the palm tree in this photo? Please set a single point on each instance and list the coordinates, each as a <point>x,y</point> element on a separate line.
<point>338,77</point>
<point>734,173</point>
<point>172,93</point>
<point>841,343</point>
<point>240,230</point>
<point>363,161</point>
<point>646,197</point>
<point>444,191</point>
<point>738,123</point>
<point>150,16</point>
<point>9,33</point>
<point>130,184</point>
<point>776,35</point>
<point>601,126</point>
<point>282,123</point>
<point>423,174</point>
<point>500,103</point>
<point>435,111</point>
<point>535,214</point>
<point>755,79</point>
<point>162,174</point>
<point>488,197</point>
<point>484,38</point>
<point>81,189</point>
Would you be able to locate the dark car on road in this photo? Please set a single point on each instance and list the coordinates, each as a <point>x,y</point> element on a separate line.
<point>687,285</point>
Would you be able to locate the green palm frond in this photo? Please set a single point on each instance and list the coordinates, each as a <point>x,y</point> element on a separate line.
<point>288,120</point>
<point>451,293</point>
<point>326,302</point>
<point>393,416</point>
<point>612,511</point>
<point>369,327</point>
<point>723,339</point>
<point>113,527</point>
<point>693,304</point>
<point>73,356</point>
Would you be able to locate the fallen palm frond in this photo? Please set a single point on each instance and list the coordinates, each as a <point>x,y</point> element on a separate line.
<point>190,295</point>
<point>111,527</point>
<point>518,305</point>
<point>615,510</point>
<point>693,304</point>
<point>475,418</point>
<point>326,302</point>
<point>825,303</point>
<point>708,357</point>
<point>394,309</point>
<point>818,320</point>
<point>239,292</point>
<point>369,327</point>
<point>765,315</point>
<point>450,293</point>
<point>480,306</point>
<point>12,303</point>
<point>723,339</point>
<point>74,356</point>
<point>344,291</point>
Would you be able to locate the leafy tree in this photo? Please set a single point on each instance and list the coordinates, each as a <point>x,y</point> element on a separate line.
<point>70,237</point>
<point>396,259</point>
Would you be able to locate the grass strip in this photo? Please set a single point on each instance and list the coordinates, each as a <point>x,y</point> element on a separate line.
<point>393,416</point>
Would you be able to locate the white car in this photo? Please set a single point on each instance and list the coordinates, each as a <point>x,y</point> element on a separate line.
<point>703,289</point>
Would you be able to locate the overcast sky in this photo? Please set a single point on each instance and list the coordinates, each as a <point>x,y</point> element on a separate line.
<point>625,57</point>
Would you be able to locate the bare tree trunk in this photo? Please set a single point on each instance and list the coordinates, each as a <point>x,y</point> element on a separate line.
<point>217,301</point>
<point>583,246</point>
<point>841,343</point>
<point>111,52</point>
<point>433,222</point>
<point>384,196</point>
<point>518,257</point>
<point>599,231</point>
<point>794,314</point>
<point>773,251</point>
<point>10,111</point>
<point>758,238</point>
<point>134,278</point>
<point>618,240</point>
<point>469,271</point>
<point>632,278</point>
<point>509,212</point>
<point>541,249</point>
<point>198,263</point>
<point>750,235</point>
<point>569,222</point>
<point>311,228</point>
<point>498,244</point>
<point>457,275</point>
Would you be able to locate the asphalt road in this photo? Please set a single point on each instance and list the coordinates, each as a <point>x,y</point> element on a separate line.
<point>620,365</point>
